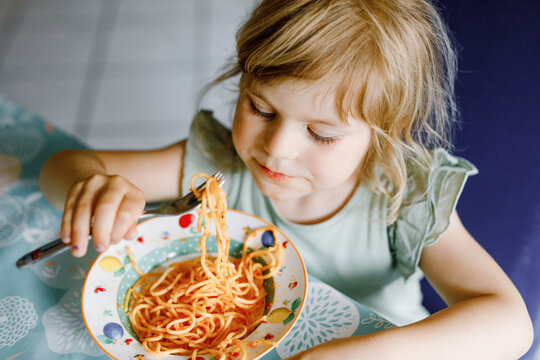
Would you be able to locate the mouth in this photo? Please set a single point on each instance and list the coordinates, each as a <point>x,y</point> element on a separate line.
<point>275,175</point>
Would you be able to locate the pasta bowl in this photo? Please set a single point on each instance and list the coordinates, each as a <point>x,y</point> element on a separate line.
<point>164,240</point>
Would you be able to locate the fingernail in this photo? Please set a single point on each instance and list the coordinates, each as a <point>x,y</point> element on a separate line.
<point>75,250</point>
<point>100,248</point>
<point>65,238</point>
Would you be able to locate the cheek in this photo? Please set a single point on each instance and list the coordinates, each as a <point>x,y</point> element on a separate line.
<point>333,166</point>
<point>243,132</point>
<point>235,131</point>
<point>238,143</point>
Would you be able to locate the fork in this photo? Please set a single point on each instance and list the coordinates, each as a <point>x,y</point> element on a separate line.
<point>175,207</point>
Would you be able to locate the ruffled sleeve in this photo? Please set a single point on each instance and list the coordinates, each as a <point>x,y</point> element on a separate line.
<point>429,200</point>
<point>209,148</point>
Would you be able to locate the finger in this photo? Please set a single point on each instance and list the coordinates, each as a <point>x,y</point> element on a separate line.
<point>132,233</point>
<point>71,199</point>
<point>128,213</point>
<point>105,212</point>
<point>81,219</point>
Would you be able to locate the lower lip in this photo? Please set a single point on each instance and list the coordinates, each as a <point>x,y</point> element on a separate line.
<point>275,175</point>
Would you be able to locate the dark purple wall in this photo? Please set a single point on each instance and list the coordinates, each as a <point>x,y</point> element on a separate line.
<point>498,90</point>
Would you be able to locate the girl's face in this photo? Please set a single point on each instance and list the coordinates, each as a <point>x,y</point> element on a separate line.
<point>292,140</point>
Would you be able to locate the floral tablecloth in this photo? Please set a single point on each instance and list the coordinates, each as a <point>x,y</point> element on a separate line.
<point>40,305</point>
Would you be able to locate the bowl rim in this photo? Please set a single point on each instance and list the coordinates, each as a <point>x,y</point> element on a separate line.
<point>260,355</point>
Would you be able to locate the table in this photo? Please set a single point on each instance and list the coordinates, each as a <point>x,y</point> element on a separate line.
<point>40,310</point>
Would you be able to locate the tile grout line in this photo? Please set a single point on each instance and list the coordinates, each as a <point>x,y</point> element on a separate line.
<point>15,13</point>
<point>201,43</point>
<point>95,68</point>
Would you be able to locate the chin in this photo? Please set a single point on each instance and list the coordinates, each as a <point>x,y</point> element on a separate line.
<point>277,193</point>
<point>279,196</point>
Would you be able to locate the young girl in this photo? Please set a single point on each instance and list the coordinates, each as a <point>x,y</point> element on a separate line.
<point>344,110</point>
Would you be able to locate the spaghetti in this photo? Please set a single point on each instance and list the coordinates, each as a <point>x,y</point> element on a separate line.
<point>205,306</point>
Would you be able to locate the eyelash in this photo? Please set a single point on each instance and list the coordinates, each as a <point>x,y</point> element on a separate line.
<point>316,137</point>
<point>258,112</point>
<point>321,139</point>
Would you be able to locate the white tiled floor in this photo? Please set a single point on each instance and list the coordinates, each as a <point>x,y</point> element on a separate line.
<point>115,73</point>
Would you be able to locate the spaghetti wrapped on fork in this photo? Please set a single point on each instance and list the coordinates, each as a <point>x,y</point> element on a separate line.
<point>205,306</point>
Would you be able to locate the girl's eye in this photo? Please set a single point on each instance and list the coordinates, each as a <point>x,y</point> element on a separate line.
<point>321,139</point>
<point>258,112</point>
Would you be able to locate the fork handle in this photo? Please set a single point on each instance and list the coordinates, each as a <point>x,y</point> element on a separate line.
<point>56,246</point>
<point>41,252</point>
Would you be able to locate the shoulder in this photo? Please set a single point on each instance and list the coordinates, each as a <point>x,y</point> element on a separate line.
<point>206,126</point>
<point>430,197</point>
<point>442,172</point>
<point>209,148</point>
<point>209,136</point>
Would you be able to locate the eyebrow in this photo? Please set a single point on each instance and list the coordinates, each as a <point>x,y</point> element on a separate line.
<point>313,121</point>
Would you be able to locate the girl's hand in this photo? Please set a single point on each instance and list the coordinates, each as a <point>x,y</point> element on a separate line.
<point>105,206</point>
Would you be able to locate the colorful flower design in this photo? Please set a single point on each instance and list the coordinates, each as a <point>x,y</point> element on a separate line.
<point>17,318</point>
<point>327,315</point>
<point>64,327</point>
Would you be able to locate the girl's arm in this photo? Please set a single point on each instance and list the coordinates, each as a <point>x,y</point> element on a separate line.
<point>110,189</point>
<point>486,317</point>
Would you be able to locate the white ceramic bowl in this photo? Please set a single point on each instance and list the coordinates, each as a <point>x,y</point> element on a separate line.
<point>171,239</point>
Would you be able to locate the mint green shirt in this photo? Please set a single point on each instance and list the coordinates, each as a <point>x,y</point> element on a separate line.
<point>354,251</point>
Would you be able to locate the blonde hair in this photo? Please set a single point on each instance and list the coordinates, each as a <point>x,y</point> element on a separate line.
<point>395,63</point>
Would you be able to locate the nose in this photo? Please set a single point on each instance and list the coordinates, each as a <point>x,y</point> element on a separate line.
<point>281,141</point>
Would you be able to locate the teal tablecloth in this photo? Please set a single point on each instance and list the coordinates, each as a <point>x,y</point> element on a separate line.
<point>40,309</point>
